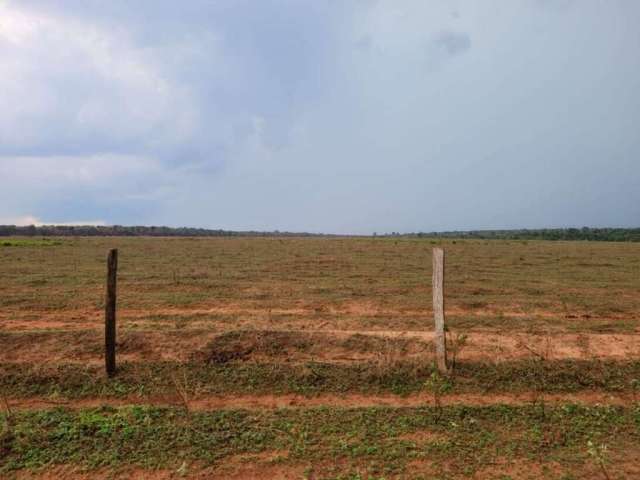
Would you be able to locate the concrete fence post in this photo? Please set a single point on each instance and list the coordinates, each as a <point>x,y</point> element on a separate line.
<point>438,309</point>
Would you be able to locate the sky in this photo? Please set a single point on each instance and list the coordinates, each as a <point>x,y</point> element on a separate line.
<point>331,116</point>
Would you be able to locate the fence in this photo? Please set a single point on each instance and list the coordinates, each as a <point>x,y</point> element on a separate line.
<point>438,312</point>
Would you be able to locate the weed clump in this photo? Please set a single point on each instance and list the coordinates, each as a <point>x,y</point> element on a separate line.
<point>244,344</point>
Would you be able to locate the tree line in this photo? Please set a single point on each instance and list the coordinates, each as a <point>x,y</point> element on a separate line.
<point>132,231</point>
<point>584,233</point>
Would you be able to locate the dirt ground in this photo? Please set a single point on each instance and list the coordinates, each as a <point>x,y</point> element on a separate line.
<point>272,402</point>
<point>330,301</point>
<point>63,344</point>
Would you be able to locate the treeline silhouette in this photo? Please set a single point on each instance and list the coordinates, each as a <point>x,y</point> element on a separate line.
<point>585,233</point>
<point>134,231</point>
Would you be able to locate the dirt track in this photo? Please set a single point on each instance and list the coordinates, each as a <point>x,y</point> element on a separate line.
<point>271,402</point>
<point>181,345</point>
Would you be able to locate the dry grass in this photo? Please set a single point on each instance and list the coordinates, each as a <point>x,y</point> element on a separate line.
<point>341,283</point>
<point>266,317</point>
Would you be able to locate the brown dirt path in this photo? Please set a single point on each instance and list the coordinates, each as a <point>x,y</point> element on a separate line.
<point>277,465</point>
<point>246,468</point>
<point>271,402</point>
<point>173,345</point>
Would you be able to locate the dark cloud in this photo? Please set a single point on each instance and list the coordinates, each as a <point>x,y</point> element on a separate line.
<point>320,116</point>
<point>453,43</point>
<point>159,78</point>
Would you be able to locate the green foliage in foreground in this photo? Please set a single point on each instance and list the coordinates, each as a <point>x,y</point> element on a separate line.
<point>459,439</point>
<point>77,380</point>
<point>23,242</point>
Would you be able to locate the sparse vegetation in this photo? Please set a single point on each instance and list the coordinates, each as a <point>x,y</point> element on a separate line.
<point>438,385</point>
<point>457,441</point>
<point>312,358</point>
<point>355,284</point>
<point>313,378</point>
<point>599,454</point>
<point>24,242</point>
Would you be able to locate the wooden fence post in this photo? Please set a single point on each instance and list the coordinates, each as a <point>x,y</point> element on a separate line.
<point>110,314</point>
<point>438,309</point>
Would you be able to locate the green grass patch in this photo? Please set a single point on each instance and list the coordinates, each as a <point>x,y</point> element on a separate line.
<point>35,242</point>
<point>457,440</point>
<point>403,378</point>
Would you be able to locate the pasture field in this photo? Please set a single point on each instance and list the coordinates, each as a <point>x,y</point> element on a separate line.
<point>274,357</point>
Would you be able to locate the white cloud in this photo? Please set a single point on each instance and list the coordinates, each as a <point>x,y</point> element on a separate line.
<point>20,221</point>
<point>27,220</point>
<point>74,86</point>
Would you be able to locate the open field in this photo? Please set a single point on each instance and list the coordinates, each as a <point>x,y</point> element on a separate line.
<point>312,358</point>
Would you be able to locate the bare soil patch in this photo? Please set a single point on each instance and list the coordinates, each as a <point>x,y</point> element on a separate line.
<point>270,402</point>
<point>333,346</point>
<point>345,315</point>
<point>233,469</point>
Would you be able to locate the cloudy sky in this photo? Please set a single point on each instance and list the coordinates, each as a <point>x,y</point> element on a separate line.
<point>311,115</point>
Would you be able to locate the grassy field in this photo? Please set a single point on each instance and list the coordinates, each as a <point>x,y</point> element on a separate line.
<point>312,358</point>
<point>363,283</point>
